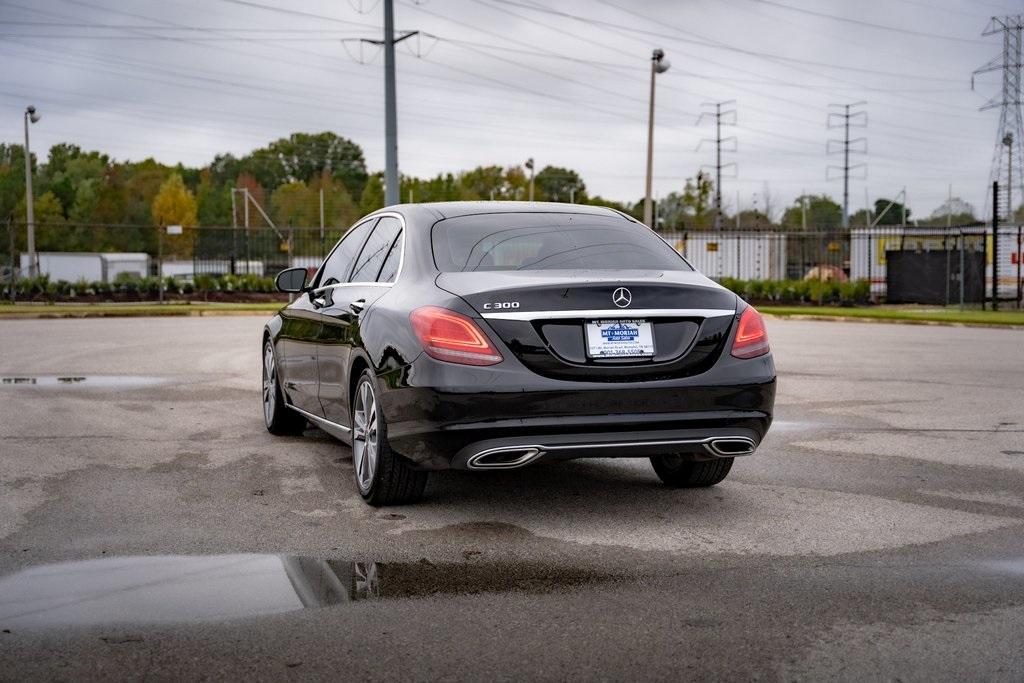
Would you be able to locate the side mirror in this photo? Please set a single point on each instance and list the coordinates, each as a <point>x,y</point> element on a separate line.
<point>291,280</point>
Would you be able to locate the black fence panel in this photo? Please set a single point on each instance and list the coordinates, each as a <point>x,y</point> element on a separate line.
<point>935,277</point>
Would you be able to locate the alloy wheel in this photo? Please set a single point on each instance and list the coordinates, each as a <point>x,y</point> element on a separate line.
<point>269,385</point>
<point>365,444</point>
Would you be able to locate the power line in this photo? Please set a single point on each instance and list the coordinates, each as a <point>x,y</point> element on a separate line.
<point>866,24</point>
<point>723,46</point>
<point>157,27</point>
<point>300,13</point>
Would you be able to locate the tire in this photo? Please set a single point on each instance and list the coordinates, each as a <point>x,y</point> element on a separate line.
<point>277,416</point>
<point>677,472</point>
<point>382,476</point>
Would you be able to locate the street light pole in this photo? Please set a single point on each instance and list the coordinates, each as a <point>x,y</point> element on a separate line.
<point>658,65</point>
<point>30,117</point>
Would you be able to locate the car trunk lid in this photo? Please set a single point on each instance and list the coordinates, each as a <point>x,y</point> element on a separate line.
<point>673,322</point>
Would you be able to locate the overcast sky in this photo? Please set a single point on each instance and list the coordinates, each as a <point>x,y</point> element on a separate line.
<point>564,82</point>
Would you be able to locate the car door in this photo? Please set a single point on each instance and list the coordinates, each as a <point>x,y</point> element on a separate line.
<point>297,354</point>
<point>372,273</point>
<point>298,357</point>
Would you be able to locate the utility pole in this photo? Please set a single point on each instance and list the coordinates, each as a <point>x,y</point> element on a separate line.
<point>659,65</point>
<point>849,119</point>
<point>803,210</point>
<point>1011,122</point>
<point>390,108</point>
<point>718,115</point>
<point>33,260</point>
<point>391,187</point>
<point>949,207</point>
<point>529,165</point>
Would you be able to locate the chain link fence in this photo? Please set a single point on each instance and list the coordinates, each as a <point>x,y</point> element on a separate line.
<point>960,263</point>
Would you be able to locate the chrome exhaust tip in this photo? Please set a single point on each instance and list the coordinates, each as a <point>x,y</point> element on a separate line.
<point>729,446</point>
<point>504,458</point>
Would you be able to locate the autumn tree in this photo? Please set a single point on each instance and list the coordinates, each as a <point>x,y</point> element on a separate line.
<point>175,205</point>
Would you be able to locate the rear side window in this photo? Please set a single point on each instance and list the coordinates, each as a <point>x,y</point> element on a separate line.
<point>389,271</point>
<point>551,241</point>
<point>337,265</point>
<point>376,250</point>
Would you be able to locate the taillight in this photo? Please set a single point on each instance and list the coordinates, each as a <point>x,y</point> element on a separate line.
<point>751,336</point>
<point>447,335</point>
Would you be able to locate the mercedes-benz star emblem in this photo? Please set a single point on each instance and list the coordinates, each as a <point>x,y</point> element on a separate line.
<point>621,297</point>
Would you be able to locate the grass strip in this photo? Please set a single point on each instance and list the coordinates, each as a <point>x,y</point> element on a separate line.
<point>130,310</point>
<point>902,315</point>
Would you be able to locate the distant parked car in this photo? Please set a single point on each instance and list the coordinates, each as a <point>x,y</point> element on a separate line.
<point>494,335</point>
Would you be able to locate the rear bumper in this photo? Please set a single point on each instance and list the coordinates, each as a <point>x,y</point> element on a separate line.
<point>510,453</point>
<point>450,428</point>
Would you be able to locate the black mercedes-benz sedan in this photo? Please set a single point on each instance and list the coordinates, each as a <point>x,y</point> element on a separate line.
<point>494,335</point>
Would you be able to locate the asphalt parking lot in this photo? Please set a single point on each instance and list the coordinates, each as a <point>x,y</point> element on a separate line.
<point>878,532</point>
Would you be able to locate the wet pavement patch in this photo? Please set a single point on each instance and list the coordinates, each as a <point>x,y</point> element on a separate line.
<point>71,381</point>
<point>183,588</point>
<point>1015,566</point>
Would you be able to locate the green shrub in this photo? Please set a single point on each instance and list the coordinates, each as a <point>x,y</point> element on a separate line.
<point>206,283</point>
<point>126,278</point>
<point>801,291</point>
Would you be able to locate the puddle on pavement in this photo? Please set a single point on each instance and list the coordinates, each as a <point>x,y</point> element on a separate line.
<point>796,425</point>
<point>1006,566</point>
<point>87,381</point>
<point>182,588</point>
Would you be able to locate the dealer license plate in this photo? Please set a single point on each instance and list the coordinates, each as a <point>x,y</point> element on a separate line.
<point>619,339</point>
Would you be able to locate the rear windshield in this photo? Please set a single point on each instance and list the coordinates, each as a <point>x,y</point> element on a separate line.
<point>549,241</point>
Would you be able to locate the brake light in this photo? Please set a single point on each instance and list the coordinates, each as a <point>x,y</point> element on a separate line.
<point>751,336</point>
<point>453,337</point>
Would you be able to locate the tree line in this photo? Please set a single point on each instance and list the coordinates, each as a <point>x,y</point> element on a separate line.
<point>81,197</point>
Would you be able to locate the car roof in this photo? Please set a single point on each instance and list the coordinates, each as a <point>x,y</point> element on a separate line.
<point>441,210</point>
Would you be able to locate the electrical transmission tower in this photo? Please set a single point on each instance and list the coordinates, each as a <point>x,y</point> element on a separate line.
<point>849,117</point>
<point>722,118</point>
<point>1010,136</point>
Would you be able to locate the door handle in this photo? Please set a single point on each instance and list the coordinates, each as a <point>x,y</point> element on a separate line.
<point>358,305</point>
